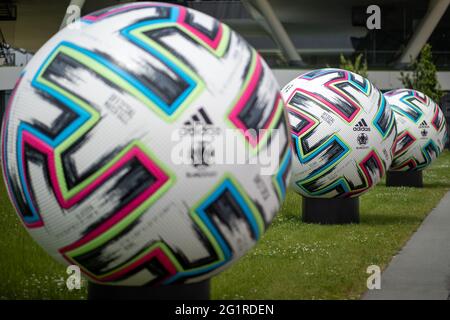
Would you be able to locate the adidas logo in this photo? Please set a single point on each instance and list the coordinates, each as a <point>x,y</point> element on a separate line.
<point>361,126</point>
<point>200,124</point>
<point>424,124</point>
<point>200,117</point>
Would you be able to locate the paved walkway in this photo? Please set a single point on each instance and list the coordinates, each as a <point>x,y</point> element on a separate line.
<point>422,268</point>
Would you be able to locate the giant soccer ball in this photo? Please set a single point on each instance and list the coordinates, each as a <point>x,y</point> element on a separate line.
<point>342,131</point>
<point>421,129</point>
<point>89,134</point>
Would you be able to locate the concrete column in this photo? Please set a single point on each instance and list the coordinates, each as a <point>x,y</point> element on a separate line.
<point>70,12</point>
<point>424,30</point>
<point>276,29</point>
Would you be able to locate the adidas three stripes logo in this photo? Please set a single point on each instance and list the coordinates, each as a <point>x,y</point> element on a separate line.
<point>361,126</point>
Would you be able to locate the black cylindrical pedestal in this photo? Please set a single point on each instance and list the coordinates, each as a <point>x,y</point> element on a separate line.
<point>330,211</point>
<point>404,179</point>
<point>192,291</point>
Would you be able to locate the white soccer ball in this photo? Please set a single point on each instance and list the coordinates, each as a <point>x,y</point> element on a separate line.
<point>342,131</point>
<point>421,129</point>
<point>90,134</point>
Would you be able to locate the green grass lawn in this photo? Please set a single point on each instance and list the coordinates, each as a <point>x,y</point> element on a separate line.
<point>292,261</point>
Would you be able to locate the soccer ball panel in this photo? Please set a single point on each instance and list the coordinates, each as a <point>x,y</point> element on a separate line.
<point>342,131</point>
<point>421,129</point>
<point>90,137</point>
